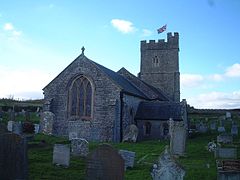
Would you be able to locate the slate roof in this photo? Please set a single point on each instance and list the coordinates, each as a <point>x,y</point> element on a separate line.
<point>159,111</point>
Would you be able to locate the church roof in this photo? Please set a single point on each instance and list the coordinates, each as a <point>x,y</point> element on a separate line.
<point>121,81</point>
<point>150,91</point>
<point>159,111</point>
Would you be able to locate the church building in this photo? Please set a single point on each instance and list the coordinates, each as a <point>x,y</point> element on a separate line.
<point>98,103</point>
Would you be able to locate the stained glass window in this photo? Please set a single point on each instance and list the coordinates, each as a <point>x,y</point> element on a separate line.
<point>80,94</point>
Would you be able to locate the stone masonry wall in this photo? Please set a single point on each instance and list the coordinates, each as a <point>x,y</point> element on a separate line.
<point>100,127</point>
<point>160,65</point>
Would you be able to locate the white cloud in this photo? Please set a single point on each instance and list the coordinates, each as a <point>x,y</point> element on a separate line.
<point>191,80</point>
<point>123,25</point>
<point>146,32</point>
<point>233,71</point>
<point>216,77</point>
<point>22,82</point>
<point>216,100</point>
<point>8,27</point>
<point>17,33</point>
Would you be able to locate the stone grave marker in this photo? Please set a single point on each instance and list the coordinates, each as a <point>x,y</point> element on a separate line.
<point>228,114</point>
<point>225,138</point>
<point>228,169</point>
<point>105,163</point>
<point>128,157</point>
<point>10,126</point>
<point>167,168</point>
<point>72,135</point>
<point>46,123</point>
<point>12,115</point>
<point>234,130</point>
<point>36,128</point>
<point>13,157</point>
<point>177,137</point>
<point>17,127</point>
<point>79,147</point>
<point>203,128</point>
<point>227,153</point>
<point>131,133</point>
<point>61,154</point>
<point>213,125</point>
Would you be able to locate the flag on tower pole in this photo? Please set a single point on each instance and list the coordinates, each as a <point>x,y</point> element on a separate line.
<point>162,29</point>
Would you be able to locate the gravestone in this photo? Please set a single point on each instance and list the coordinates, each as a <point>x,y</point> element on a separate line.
<point>228,114</point>
<point>61,154</point>
<point>36,128</point>
<point>225,138</point>
<point>228,169</point>
<point>46,123</point>
<point>131,133</point>
<point>79,147</point>
<point>128,157</point>
<point>177,137</point>
<point>227,153</point>
<point>12,115</point>
<point>104,163</point>
<point>221,129</point>
<point>72,135</point>
<point>10,126</point>
<point>203,128</point>
<point>213,125</point>
<point>17,127</point>
<point>167,168</point>
<point>234,130</point>
<point>13,157</point>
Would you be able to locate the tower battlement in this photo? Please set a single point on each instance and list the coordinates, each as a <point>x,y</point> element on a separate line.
<point>172,42</point>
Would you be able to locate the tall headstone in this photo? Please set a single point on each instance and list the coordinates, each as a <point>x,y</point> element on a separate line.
<point>105,163</point>
<point>13,157</point>
<point>128,157</point>
<point>177,137</point>
<point>167,168</point>
<point>46,123</point>
<point>61,154</point>
<point>131,133</point>
<point>12,115</point>
<point>79,147</point>
<point>234,129</point>
<point>10,126</point>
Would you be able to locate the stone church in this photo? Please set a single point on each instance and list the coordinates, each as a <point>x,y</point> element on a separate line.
<point>98,103</point>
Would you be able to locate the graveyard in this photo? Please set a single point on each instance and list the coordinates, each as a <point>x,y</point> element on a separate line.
<point>198,161</point>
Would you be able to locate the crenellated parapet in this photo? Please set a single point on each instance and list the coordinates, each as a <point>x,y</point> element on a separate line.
<point>172,43</point>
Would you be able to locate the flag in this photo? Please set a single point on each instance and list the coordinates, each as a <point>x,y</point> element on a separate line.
<point>162,29</point>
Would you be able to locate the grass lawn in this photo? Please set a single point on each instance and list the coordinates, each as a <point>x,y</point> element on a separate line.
<point>198,162</point>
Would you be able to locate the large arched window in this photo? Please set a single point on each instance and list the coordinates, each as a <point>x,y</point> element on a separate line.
<point>80,98</point>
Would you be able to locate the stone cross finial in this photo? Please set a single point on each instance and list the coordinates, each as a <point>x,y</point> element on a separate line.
<point>83,49</point>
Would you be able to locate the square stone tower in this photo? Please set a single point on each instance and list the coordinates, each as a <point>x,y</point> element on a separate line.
<point>160,65</point>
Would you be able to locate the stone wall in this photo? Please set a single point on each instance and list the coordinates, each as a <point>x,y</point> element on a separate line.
<point>105,95</point>
<point>160,65</point>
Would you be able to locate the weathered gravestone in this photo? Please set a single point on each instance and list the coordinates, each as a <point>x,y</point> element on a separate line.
<point>104,163</point>
<point>167,168</point>
<point>10,126</point>
<point>17,127</point>
<point>13,157</point>
<point>177,137</point>
<point>225,138</point>
<point>228,114</point>
<point>61,154</point>
<point>131,133</point>
<point>46,123</point>
<point>234,130</point>
<point>203,128</point>
<point>228,169</point>
<point>79,147</point>
<point>128,157</point>
<point>227,153</point>
<point>36,128</point>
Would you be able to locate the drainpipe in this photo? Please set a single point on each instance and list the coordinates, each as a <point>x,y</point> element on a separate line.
<point>121,115</point>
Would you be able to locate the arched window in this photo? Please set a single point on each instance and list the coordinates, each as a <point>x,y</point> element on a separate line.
<point>148,126</point>
<point>80,98</point>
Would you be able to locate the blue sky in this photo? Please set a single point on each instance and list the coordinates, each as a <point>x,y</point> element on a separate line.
<point>38,39</point>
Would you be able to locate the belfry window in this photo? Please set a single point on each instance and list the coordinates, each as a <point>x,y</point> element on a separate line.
<point>80,98</point>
